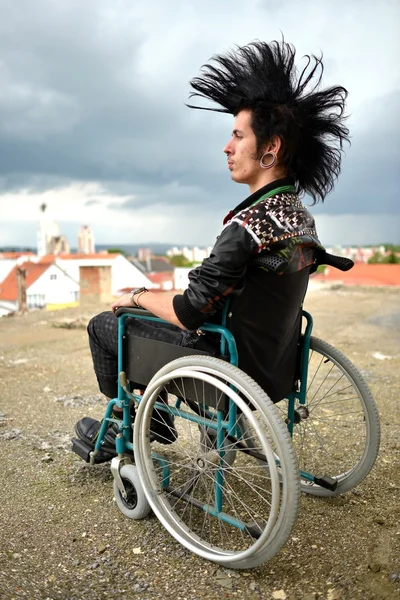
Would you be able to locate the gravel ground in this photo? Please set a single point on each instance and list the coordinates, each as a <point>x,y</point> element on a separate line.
<point>62,536</point>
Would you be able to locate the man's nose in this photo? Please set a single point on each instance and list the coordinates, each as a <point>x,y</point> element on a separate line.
<point>227,148</point>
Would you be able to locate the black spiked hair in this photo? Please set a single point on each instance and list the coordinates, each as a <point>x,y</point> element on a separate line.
<point>309,121</point>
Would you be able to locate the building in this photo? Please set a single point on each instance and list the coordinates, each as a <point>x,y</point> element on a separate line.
<point>123,273</point>
<point>376,275</point>
<point>158,269</point>
<point>181,278</point>
<point>47,286</point>
<point>144,253</point>
<point>357,253</point>
<point>58,245</point>
<point>194,255</point>
<point>85,240</point>
<point>49,240</point>
<point>8,260</point>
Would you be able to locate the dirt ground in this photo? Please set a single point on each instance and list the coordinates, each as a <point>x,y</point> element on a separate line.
<point>62,536</point>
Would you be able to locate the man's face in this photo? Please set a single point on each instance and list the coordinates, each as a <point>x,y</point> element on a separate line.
<point>241,151</point>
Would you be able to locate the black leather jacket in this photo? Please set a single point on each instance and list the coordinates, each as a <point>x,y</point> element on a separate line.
<point>266,296</point>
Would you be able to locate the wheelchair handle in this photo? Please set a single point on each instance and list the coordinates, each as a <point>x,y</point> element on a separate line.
<point>339,262</point>
<point>276,264</point>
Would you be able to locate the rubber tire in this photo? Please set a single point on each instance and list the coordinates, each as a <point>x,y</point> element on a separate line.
<point>354,476</point>
<point>277,430</point>
<point>129,474</point>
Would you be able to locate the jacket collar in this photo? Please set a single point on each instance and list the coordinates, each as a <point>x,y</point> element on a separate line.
<point>254,197</point>
<point>264,190</point>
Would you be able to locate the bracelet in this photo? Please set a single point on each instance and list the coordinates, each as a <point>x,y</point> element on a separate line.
<point>137,299</point>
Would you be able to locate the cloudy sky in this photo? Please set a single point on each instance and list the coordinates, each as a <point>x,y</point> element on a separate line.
<point>93,119</point>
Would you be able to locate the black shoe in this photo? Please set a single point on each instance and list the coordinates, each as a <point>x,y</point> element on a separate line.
<point>162,428</point>
<point>87,430</point>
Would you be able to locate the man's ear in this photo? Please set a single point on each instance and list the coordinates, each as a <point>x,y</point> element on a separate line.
<point>274,145</point>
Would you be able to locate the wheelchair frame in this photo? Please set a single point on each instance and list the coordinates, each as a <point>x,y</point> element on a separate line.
<point>320,484</point>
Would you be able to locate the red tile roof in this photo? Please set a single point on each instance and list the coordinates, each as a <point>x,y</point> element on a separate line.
<point>101,255</point>
<point>362,274</point>
<point>9,288</point>
<point>15,255</point>
<point>160,277</point>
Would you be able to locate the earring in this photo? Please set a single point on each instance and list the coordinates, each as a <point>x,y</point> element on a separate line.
<point>271,164</point>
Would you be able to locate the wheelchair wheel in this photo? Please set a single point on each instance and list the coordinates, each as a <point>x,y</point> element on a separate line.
<point>208,441</point>
<point>233,512</point>
<point>337,432</point>
<point>135,505</point>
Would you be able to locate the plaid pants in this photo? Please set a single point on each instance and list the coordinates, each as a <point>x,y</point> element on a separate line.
<point>103,342</point>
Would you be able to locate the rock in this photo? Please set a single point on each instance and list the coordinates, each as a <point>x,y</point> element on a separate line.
<point>225,582</point>
<point>379,520</point>
<point>232,573</point>
<point>139,587</point>
<point>375,567</point>
<point>79,323</point>
<point>279,595</point>
<point>12,434</point>
<point>223,579</point>
<point>44,446</point>
<point>47,458</point>
<point>253,586</point>
<point>101,549</point>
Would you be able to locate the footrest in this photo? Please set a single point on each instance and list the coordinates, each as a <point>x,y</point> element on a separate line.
<point>326,482</point>
<point>83,449</point>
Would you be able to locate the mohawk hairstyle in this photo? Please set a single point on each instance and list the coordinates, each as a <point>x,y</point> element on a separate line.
<point>309,121</point>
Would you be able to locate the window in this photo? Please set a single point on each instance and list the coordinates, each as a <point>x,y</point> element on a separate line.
<point>53,276</point>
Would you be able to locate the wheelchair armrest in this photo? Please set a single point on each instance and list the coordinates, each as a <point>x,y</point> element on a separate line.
<point>133,311</point>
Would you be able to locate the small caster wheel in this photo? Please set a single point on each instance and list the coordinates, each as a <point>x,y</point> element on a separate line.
<point>135,505</point>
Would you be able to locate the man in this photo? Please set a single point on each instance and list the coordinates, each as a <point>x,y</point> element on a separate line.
<point>286,140</point>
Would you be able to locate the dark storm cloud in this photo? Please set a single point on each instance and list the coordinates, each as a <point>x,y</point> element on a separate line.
<point>79,103</point>
<point>370,176</point>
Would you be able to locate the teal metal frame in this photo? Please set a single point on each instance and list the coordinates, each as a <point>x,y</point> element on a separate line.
<point>123,443</point>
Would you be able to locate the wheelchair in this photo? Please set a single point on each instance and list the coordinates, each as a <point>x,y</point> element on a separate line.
<point>228,486</point>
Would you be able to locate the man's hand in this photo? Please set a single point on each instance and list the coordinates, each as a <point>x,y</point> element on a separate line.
<point>123,301</point>
<point>159,305</point>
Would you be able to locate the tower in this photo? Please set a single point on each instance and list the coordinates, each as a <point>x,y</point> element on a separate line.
<point>47,231</point>
<point>85,240</point>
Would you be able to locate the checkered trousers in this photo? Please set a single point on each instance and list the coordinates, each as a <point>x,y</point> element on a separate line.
<point>103,342</point>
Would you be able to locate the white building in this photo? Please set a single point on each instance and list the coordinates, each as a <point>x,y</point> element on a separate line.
<point>85,240</point>
<point>48,230</point>
<point>124,274</point>
<point>357,253</point>
<point>47,286</point>
<point>194,254</point>
<point>181,278</point>
<point>8,260</point>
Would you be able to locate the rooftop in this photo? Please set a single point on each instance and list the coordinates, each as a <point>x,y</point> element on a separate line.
<point>9,287</point>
